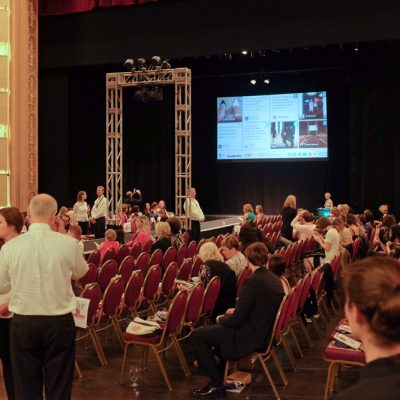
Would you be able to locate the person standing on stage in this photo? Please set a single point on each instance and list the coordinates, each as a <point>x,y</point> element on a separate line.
<point>81,212</point>
<point>99,213</point>
<point>37,268</point>
<point>194,212</point>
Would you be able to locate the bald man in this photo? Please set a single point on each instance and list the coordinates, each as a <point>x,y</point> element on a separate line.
<point>38,267</point>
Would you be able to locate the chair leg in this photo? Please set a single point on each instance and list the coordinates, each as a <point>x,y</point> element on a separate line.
<point>181,357</point>
<point>98,347</point>
<point>279,367</point>
<point>304,329</point>
<point>316,327</point>
<point>78,370</point>
<point>289,353</point>
<point>330,380</point>
<point>161,365</point>
<point>121,378</point>
<point>226,372</point>
<point>269,377</point>
<point>322,316</point>
<point>296,342</point>
<point>117,330</point>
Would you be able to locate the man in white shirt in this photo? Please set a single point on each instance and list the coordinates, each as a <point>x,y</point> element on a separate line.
<point>194,212</point>
<point>38,267</point>
<point>303,224</point>
<point>99,213</point>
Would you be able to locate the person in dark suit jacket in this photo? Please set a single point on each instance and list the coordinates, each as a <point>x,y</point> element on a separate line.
<point>242,330</point>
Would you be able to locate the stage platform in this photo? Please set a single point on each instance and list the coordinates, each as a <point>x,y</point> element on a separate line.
<point>212,226</point>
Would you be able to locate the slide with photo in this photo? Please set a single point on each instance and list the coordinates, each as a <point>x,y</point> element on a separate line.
<point>272,127</point>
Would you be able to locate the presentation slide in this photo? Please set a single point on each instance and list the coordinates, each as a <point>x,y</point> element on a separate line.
<point>289,126</point>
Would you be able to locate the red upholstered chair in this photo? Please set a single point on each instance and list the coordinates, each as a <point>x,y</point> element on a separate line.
<point>191,249</point>
<point>210,296</point>
<point>336,357</point>
<point>168,283</point>
<point>356,249</point>
<point>185,270</point>
<point>147,246</point>
<point>126,267</point>
<point>108,270</point>
<point>143,262</point>
<point>169,256</point>
<point>263,357</point>
<point>158,342</point>
<point>108,255</point>
<point>133,289</point>
<point>123,251</point>
<point>180,254</point>
<point>186,237</point>
<point>156,257</point>
<point>150,286</point>
<point>136,249</point>
<point>90,276</point>
<point>95,258</point>
<point>93,293</point>
<point>197,263</point>
<point>219,239</point>
<point>201,242</point>
<point>110,309</point>
<point>244,274</point>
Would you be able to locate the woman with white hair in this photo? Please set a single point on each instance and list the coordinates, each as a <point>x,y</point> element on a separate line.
<point>163,230</point>
<point>214,266</point>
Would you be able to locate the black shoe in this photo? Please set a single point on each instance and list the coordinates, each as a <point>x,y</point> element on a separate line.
<point>203,389</point>
<point>209,392</point>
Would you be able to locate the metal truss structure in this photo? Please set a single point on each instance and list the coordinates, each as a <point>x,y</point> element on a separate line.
<point>115,82</point>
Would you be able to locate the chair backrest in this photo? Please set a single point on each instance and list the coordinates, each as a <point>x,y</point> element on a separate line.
<point>201,242</point>
<point>169,256</point>
<point>304,291</point>
<point>336,264</point>
<point>180,254</point>
<point>151,282</point>
<point>122,253</point>
<point>95,258</point>
<point>147,246</point>
<point>106,273</point>
<point>296,299</point>
<point>185,270</point>
<point>176,313</point>
<point>210,295</point>
<point>275,326</point>
<point>108,255</point>
<point>244,274</point>
<point>168,281</point>
<point>90,276</point>
<point>219,239</point>
<point>194,304</point>
<point>197,263</point>
<point>356,248</point>
<point>133,289</point>
<point>126,267</point>
<point>136,249</point>
<point>156,257</point>
<point>112,296</point>
<point>283,316</point>
<point>316,278</point>
<point>92,292</point>
<point>186,237</point>
<point>372,236</point>
<point>143,262</point>
<point>191,249</point>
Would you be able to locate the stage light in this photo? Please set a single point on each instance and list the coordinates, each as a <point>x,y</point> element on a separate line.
<point>356,48</point>
<point>155,63</point>
<point>253,81</point>
<point>266,81</point>
<point>129,64</point>
<point>141,64</point>
<point>244,52</point>
<point>165,65</point>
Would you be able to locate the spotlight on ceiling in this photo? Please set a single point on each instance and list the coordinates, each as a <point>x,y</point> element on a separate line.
<point>244,52</point>
<point>141,64</point>
<point>129,64</point>
<point>165,65</point>
<point>155,63</point>
<point>266,80</point>
<point>253,81</point>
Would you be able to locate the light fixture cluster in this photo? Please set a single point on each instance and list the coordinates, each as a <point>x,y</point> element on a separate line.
<point>265,79</point>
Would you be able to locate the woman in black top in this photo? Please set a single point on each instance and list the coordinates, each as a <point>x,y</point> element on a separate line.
<point>163,241</point>
<point>289,212</point>
<point>373,309</point>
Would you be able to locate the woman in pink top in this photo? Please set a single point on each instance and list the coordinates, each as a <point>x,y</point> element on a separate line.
<point>142,234</point>
<point>110,241</point>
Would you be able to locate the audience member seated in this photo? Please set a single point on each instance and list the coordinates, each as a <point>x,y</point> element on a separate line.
<point>345,234</point>
<point>334,213</point>
<point>163,242</point>
<point>328,237</point>
<point>289,212</point>
<point>303,225</point>
<point>234,258</point>
<point>372,288</point>
<point>260,216</point>
<point>249,234</point>
<point>142,233</point>
<point>248,214</point>
<point>176,236</point>
<point>393,245</point>
<point>369,222</point>
<point>110,240</point>
<point>75,231</point>
<point>147,210</point>
<point>384,210</point>
<point>277,265</point>
<point>162,207</point>
<point>66,221</point>
<point>242,330</point>
<point>122,217</point>
<point>383,232</point>
<point>214,266</point>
